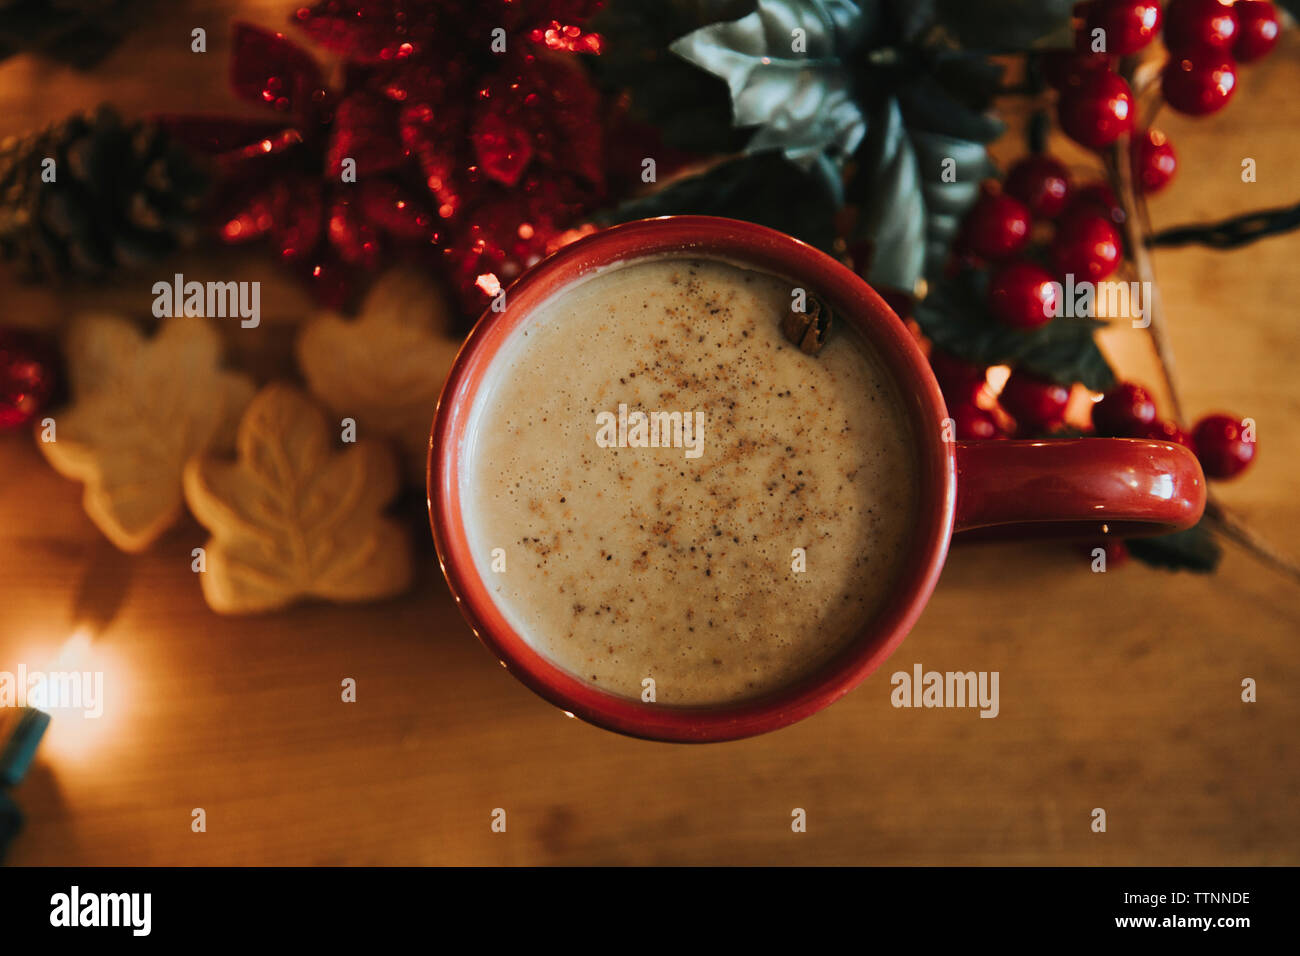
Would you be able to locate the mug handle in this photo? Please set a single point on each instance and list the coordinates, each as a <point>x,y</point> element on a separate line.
<point>1076,487</point>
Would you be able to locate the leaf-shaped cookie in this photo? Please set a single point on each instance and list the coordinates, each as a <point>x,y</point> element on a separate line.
<point>140,409</point>
<point>385,368</point>
<point>293,517</point>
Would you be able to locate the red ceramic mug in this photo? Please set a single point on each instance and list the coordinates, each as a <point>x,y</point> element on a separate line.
<point>1072,487</point>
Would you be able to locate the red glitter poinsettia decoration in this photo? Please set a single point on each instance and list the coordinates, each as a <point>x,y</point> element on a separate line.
<point>475,139</point>
<point>505,129</point>
<point>282,179</point>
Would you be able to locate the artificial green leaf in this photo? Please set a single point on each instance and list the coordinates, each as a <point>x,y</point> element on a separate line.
<point>888,186</point>
<point>972,79</point>
<point>931,105</point>
<point>954,317</point>
<point>1007,25</point>
<point>946,203</point>
<point>909,212</point>
<point>690,108</point>
<point>908,18</point>
<point>766,189</point>
<point>799,99</point>
<point>1195,549</point>
<point>919,170</point>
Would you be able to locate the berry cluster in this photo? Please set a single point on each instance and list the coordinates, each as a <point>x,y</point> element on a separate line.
<point>1080,225</point>
<point>1086,240</point>
<point>1205,39</point>
<point>1037,199</point>
<point>1219,441</point>
<point>1027,404</point>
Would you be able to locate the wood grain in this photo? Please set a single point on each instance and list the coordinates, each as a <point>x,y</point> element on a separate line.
<point>1118,690</point>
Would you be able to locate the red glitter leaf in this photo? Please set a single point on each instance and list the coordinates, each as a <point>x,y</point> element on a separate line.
<point>365,129</point>
<point>433,137</point>
<point>393,209</point>
<point>375,31</point>
<point>215,135</point>
<point>568,120</point>
<point>355,240</point>
<point>296,217</point>
<point>567,39</point>
<point>251,219</point>
<point>503,148</point>
<point>269,69</point>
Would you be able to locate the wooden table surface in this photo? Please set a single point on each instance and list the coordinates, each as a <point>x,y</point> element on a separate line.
<point>1118,690</point>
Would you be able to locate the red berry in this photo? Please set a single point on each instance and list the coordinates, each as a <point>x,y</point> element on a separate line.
<point>1220,446</point>
<point>1095,197</point>
<point>1257,29</point>
<point>997,226</point>
<point>1124,412</point>
<point>1154,161</point>
<point>1041,183</point>
<point>1086,245</point>
<point>1060,66</point>
<point>1198,85</point>
<point>1096,108</point>
<point>1161,430</point>
<point>1033,401</point>
<point>29,376</point>
<point>972,422</point>
<point>1023,295</point>
<point>959,380</point>
<point>1198,25</point>
<point>1129,25</point>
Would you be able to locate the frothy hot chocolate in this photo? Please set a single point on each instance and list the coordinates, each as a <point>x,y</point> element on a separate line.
<point>659,485</point>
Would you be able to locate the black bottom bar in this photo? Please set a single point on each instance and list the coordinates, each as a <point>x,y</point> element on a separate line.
<point>601,906</point>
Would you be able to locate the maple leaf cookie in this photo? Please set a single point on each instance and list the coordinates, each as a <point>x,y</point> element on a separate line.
<point>385,368</point>
<point>294,516</point>
<point>140,408</point>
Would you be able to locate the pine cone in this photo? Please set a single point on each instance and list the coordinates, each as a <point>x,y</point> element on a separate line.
<point>77,32</point>
<point>123,195</point>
